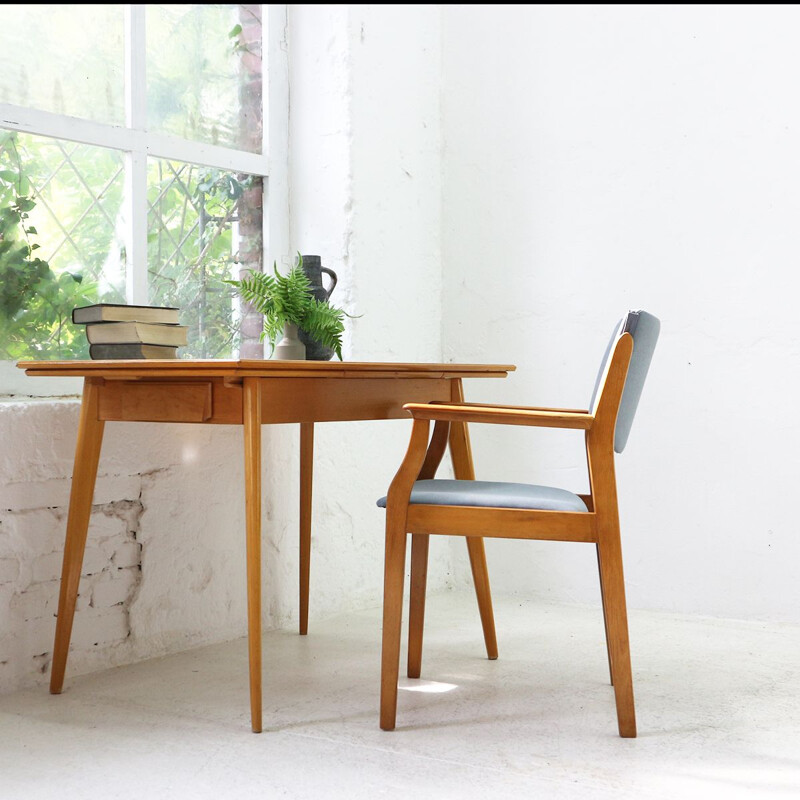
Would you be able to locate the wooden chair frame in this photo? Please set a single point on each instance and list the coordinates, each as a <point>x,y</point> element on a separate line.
<point>599,525</point>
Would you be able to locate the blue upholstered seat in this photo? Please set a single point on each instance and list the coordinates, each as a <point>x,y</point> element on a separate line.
<point>492,494</point>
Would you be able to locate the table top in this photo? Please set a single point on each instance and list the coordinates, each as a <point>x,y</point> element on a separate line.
<point>242,368</point>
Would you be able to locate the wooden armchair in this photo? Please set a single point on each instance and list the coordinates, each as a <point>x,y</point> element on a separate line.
<point>420,505</point>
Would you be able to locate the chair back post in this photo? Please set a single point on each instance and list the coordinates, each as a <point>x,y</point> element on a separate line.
<point>600,437</point>
<point>601,446</point>
<point>612,387</point>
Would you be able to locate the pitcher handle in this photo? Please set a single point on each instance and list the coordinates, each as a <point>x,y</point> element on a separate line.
<point>333,278</point>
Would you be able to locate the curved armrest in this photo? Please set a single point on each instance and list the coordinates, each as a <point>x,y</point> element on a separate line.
<point>503,415</point>
<point>516,408</point>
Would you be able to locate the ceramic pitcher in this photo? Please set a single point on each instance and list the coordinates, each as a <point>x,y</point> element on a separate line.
<point>312,266</point>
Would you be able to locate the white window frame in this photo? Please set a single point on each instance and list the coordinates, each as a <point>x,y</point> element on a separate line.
<point>138,144</point>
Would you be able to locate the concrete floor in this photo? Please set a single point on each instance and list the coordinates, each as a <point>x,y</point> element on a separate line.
<point>718,705</point>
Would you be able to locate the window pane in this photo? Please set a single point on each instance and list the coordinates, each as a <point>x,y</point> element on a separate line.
<point>205,225</point>
<point>59,244</point>
<point>67,59</point>
<point>204,73</point>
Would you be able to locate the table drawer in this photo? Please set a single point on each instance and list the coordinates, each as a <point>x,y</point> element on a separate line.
<point>155,401</point>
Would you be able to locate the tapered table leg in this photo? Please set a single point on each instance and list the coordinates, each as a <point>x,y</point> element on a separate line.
<point>464,469</point>
<point>84,474</point>
<point>251,415</point>
<point>306,480</point>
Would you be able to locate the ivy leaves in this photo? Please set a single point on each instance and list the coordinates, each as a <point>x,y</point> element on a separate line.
<point>35,303</point>
<point>20,270</point>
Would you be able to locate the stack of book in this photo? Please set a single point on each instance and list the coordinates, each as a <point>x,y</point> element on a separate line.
<point>126,331</point>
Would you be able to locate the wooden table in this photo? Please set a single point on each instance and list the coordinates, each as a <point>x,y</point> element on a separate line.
<point>250,393</point>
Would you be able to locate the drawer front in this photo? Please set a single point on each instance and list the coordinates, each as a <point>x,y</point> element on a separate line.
<point>155,401</point>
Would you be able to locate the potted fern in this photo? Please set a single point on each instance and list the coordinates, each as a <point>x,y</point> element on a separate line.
<point>288,306</point>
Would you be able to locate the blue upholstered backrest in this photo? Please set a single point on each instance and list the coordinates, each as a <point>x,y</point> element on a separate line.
<point>644,328</point>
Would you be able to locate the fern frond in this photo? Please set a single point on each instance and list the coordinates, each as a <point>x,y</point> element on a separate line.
<point>291,295</point>
<point>273,328</point>
<point>257,288</point>
<point>289,298</point>
<point>325,323</point>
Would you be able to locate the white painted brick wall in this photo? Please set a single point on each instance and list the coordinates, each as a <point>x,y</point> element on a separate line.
<point>30,581</point>
<point>35,638</point>
<point>114,587</point>
<point>128,554</point>
<point>47,567</point>
<point>9,570</point>
<point>188,539</point>
<point>38,600</point>
<point>101,627</point>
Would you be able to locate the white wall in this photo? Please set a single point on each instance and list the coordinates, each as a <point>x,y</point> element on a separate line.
<point>365,182</point>
<point>605,157</point>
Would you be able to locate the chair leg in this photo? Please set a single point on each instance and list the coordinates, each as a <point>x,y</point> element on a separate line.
<point>393,578</point>
<point>416,611</point>
<point>605,618</point>
<point>480,577</point>
<point>612,585</point>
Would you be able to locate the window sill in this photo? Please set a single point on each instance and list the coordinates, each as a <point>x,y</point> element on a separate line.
<point>16,385</point>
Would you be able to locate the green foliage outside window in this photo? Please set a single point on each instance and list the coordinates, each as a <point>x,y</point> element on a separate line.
<point>190,246</point>
<point>191,250</point>
<point>62,213</point>
<point>35,302</point>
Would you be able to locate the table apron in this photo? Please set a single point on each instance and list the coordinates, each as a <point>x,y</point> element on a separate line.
<point>219,401</point>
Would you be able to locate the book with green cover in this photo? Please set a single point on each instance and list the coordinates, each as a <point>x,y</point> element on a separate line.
<point>117,312</point>
<point>142,332</point>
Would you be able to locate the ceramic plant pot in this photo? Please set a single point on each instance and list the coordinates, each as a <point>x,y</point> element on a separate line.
<point>290,348</point>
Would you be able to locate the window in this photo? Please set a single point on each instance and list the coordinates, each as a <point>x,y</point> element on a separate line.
<point>133,165</point>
